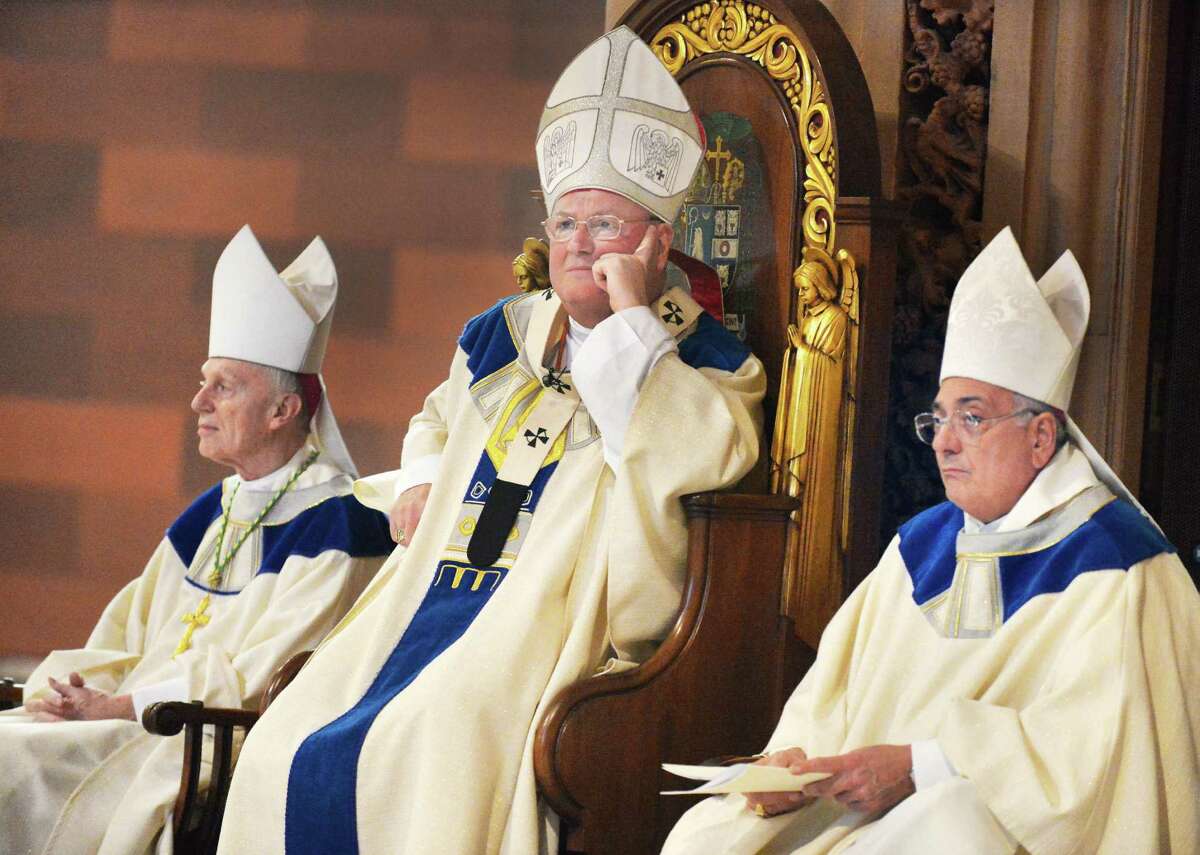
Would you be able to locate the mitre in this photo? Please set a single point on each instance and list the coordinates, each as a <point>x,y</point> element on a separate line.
<point>279,319</point>
<point>616,120</point>
<point>1009,330</point>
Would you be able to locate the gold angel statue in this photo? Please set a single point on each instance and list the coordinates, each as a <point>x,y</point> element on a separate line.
<point>532,267</point>
<point>810,451</point>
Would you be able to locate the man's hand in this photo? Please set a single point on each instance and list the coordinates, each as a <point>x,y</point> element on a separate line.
<point>770,804</point>
<point>405,515</point>
<point>74,701</point>
<point>869,780</point>
<point>630,278</point>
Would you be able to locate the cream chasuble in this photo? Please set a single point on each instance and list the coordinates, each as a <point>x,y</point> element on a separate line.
<point>108,786</point>
<point>1056,665</point>
<point>410,730</point>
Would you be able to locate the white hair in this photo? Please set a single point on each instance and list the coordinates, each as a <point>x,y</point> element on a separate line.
<point>1036,408</point>
<point>286,382</point>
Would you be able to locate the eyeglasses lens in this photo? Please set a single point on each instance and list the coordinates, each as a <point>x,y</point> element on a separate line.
<point>600,227</point>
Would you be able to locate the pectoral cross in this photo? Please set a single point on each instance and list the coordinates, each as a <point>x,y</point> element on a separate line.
<point>193,620</point>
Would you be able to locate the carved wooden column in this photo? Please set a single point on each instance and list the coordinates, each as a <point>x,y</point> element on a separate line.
<point>943,134</point>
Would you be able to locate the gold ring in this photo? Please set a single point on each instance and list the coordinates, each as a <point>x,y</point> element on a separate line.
<point>399,535</point>
<point>760,810</point>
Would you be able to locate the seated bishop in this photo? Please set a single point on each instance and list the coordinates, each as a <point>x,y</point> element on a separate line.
<point>258,568</point>
<point>538,506</point>
<point>1019,673</point>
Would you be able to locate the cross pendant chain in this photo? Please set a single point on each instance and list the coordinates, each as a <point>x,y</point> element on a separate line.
<point>199,618</point>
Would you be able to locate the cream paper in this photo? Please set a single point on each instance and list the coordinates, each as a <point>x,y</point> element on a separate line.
<point>741,778</point>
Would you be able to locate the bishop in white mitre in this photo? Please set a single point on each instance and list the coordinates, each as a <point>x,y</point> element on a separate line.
<point>1020,672</point>
<point>539,505</point>
<point>258,568</point>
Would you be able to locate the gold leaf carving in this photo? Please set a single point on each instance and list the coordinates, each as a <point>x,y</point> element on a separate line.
<point>532,267</point>
<point>811,447</point>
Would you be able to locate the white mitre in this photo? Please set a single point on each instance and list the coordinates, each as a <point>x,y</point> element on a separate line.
<point>279,319</point>
<point>1006,329</point>
<point>616,120</point>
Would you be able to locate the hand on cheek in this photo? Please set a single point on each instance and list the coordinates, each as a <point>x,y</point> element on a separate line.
<point>627,277</point>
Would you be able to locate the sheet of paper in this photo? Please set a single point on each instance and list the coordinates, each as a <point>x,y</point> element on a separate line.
<point>740,778</point>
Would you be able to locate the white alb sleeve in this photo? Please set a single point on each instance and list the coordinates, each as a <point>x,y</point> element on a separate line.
<point>930,765</point>
<point>610,366</point>
<point>175,689</point>
<point>420,470</point>
<point>379,492</point>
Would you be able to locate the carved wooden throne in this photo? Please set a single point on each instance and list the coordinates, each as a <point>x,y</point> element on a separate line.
<point>790,185</point>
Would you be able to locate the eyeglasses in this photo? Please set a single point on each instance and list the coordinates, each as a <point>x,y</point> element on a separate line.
<point>600,226</point>
<point>968,426</point>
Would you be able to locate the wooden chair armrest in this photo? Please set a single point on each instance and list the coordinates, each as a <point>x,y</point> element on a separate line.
<point>196,820</point>
<point>283,677</point>
<point>167,718</point>
<point>12,694</point>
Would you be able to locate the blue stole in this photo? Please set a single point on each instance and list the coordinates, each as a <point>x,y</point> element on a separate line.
<point>321,812</point>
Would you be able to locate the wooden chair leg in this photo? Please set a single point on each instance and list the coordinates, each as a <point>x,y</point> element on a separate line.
<point>222,772</point>
<point>197,821</point>
<point>189,794</point>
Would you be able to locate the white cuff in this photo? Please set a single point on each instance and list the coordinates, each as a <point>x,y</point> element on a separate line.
<point>381,491</point>
<point>420,470</point>
<point>610,367</point>
<point>930,765</point>
<point>174,689</point>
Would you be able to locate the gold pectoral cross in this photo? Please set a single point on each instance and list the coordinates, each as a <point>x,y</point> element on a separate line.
<point>194,620</point>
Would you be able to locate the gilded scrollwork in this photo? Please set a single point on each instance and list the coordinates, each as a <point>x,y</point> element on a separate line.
<point>753,32</point>
<point>816,407</point>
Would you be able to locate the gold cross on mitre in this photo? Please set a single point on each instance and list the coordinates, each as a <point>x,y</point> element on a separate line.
<point>194,620</point>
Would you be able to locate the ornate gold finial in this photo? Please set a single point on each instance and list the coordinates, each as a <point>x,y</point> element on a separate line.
<point>532,267</point>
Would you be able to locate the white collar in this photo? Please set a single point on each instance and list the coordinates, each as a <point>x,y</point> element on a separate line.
<point>577,334</point>
<point>273,481</point>
<point>1066,476</point>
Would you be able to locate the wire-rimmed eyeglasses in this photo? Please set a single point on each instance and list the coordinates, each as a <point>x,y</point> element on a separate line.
<point>600,226</point>
<point>969,426</point>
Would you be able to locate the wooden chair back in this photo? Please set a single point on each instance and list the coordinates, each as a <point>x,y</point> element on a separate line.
<point>791,178</point>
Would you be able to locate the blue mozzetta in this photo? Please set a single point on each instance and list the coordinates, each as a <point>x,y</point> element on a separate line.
<point>487,341</point>
<point>1116,537</point>
<point>339,522</point>
<point>927,545</point>
<point>712,346</point>
<point>489,344</point>
<point>188,530</point>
